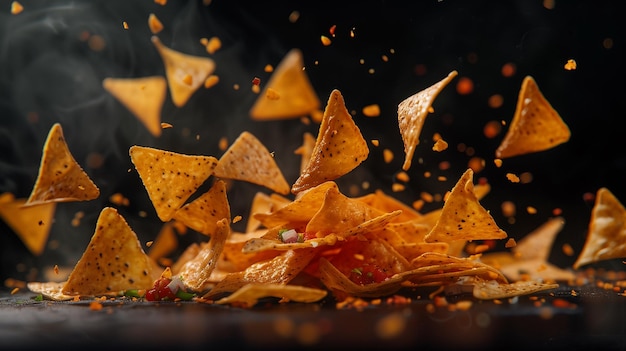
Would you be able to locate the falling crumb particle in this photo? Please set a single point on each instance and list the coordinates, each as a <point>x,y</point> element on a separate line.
<point>237,219</point>
<point>211,81</point>
<point>125,25</point>
<point>512,178</point>
<point>325,40</point>
<point>154,24</point>
<point>440,145</point>
<point>16,8</point>
<point>570,65</point>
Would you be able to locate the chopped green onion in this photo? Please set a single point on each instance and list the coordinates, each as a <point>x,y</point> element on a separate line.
<point>183,295</point>
<point>132,293</point>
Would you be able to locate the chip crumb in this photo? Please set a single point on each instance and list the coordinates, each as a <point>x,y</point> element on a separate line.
<point>372,110</point>
<point>124,25</point>
<point>161,2</point>
<point>213,44</point>
<point>16,8</point>
<point>513,178</point>
<point>237,219</point>
<point>510,243</point>
<point>149,243</point>
<point>95,306</point>
<point>154,24</point>
<point>375,142</point>
<point>497,162</point>
<point>567,249</point>
<point>440,145</point>
<point>293,16</point>
<point>187,79</point>
<point>387,155</point>
<point>56,269</point>
<point>14,291</point>
<point>211,81</point>
<point>325,40</point>
<point>531,210</point>
<point>570,65</point>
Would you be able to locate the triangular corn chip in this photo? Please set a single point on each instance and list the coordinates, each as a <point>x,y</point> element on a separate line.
<point>165,242</point>
<point>196,272</point>
<point>536,125</point>
<point>31,223</point>
<point>288,93</point>
<point>378,199</point>
<point>606,237</point>
<point>203,213</point>
<point>185,73</point>
<point>143,97</point>
<point>170,178</point>
<point>264,204</point>
<point>113,261</point>
<point>538,243</point>
<point>50,290</point>
<point>301,210</point>
<point>249,294</point>
<point>339,147</point>
<point>60,179</point>
<point>463,217</point>
<point>412,113</point>
<point>249,160</point>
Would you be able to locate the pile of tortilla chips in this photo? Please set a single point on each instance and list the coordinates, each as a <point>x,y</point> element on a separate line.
<point>309,239</point>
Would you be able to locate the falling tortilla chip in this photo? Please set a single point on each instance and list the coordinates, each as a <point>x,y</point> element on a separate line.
<point>113,261</point>
<point>606,237</point>
<point>196,272</point>
<point>30,223</point>
<point>538,243</point>
<point>60,179</point>
<point>264,204</point>
<point>249,160</point>
<point>536,125</point>
<point>165,242</point>
<point>339,148</point>
<point>143,97</point>
<point>412,113</point>
<point>463,217</point>
<point>203,213</point>
<point>288,93</point>
<point>185,73</point>
<point>170,178</point>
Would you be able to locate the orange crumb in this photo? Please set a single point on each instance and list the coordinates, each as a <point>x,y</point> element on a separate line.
<point>371,110</point>
<point>464,86</point>
<point>155,24</point>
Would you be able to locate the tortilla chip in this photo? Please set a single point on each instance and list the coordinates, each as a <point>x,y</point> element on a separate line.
<point>463,217</point>
<point>165,242</point>
<point>288,93</point>
<point>271,242</point>
<point>60,179</point>
<point>249,160</point>
<point>264,204</point>
<point>196,272</point>
<point>280,269</point>
<point>143,97</point>
<point>185,73</point>
<point>306,150</point>
<point>536,125</point>
<point>378,199</point>
<point>538,243</point>
<point>50,290</point>
<point>536,269</point>
<point>339,147</point>
<point>249,294</point>
<point>606,237</point>
<point>30,223</point>
<point>113,261</point>
<point>170,178</point>
<point>203,213</point>
<point>490,290</point>
<point>412,113</point>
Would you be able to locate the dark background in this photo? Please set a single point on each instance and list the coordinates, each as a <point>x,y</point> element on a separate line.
<point>49,74</point>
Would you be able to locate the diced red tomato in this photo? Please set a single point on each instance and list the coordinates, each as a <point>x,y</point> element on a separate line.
<point>160,291</point>
<point>368,274</point>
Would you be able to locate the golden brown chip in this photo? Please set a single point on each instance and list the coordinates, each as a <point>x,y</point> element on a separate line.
<point>264,204</point>
<point>378,199</point>
<point>165,242</point>
<point>412,113</point>
<point>271,242</point>
<point>196,272</point>
<point>536,125</point>
<point>50,290</point>
<point>280,269</point>
<point>606,237</point>
<point>185,73</point>
<point>249,160</point>
<point>489,290</point>
<point>288,93</point>
<point>113,261</point>
<point>60,179</point>
<point>463,217</point>
<point>203,213</point>
<point>537,270</point>
<point>170,178</point>
<point>339,147</point>
<point>538,243</point>
<point>30,223</point>
<point>300,211</point>
<point>249,294</point>
<point>143,97</point>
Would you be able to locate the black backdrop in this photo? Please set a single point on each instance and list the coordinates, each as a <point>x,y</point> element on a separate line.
<point>48,73</point>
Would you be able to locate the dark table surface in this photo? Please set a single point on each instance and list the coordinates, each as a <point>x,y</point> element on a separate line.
<point>580,317</point>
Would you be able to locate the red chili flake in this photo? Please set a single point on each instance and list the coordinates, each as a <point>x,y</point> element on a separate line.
<point>256,81</point>
<point>332,30</point>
